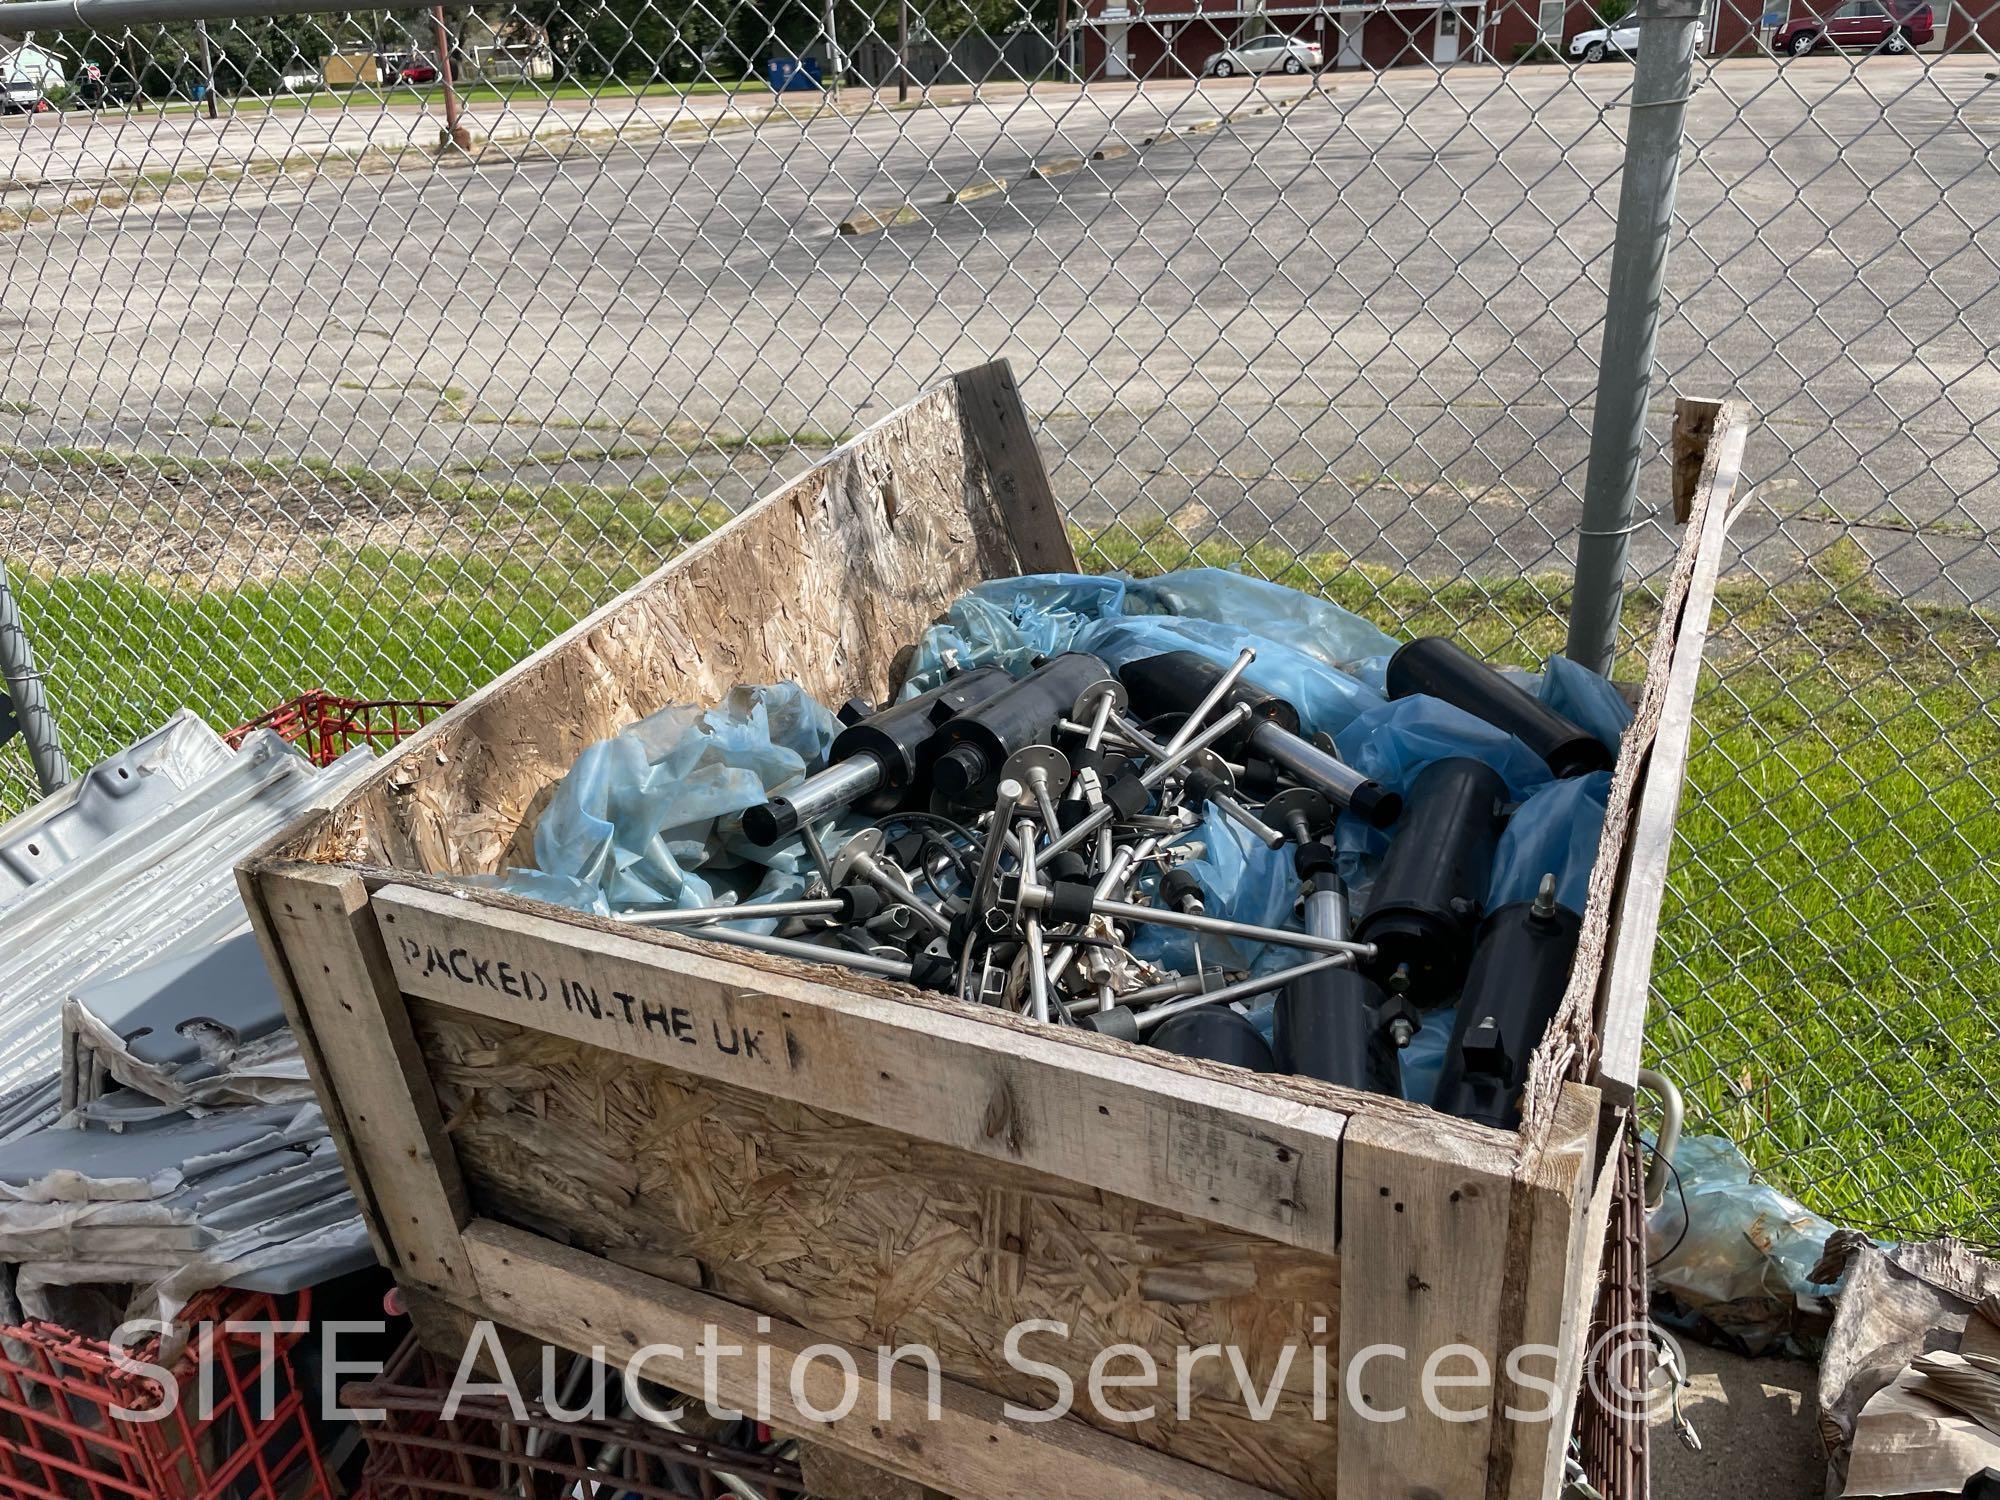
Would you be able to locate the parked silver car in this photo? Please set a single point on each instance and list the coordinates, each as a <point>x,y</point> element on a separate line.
<point>1268,54</point>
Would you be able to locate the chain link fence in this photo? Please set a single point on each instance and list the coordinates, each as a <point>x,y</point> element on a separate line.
<point>367,351</point>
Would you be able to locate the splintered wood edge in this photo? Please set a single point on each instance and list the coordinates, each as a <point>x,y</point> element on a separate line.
<point>970,1450</point>
<point>1570,1047</point>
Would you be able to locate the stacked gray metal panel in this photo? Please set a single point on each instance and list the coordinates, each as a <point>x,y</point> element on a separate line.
<point>157,1128</point>
<point>162,885</point>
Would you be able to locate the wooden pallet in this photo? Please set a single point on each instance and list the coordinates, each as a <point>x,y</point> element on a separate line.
<point>609,1137</point>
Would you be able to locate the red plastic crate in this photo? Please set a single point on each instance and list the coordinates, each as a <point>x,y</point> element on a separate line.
<point>486,1448</point>
<point>326,726</point>
<point>60,1439</point>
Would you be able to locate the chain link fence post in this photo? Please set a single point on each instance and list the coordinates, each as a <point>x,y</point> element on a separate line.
<point>1662,79</point>
<point>30,704</point>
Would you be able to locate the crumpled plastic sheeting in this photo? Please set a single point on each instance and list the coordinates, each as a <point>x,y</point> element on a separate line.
<point>1555,832</point>
<point>1585,699</point>
<point>652,816</point>
<point>1393,743</point>
<point>1735,1252</point>
<point>1239,878</point>
<point>1013,621</point>
<point>1308,623</point>
<point>1328,699</point>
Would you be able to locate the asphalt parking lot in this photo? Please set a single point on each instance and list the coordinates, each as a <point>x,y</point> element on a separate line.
<point>1366,318</point>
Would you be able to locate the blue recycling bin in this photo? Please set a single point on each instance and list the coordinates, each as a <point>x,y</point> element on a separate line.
<point>792,74</point>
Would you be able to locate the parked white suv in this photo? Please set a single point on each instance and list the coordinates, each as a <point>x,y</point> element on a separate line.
<point>1268,54</point>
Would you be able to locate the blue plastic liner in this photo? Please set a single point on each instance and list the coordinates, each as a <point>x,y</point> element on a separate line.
<point>1555,832</point>
<point>1012,621</point>
<point>1328,699</point>
<point>1585,699</point>
<point>652,816</point>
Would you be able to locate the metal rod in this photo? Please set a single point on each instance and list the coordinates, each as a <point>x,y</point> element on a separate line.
<point>1245,819</point>
<point>455,134</point>
<point>1151,777</point>
<point>688,916</point>
<point>1167,989</point>
<point>1035,898</point>
<point>1306,762</point>
<point>821,795</point>
<point>870,870</point>
<point>1326,908</point>
<point>1246,989</point>
<point>817,850</point>
<point>1031,929</point>
<point>1116,871</point>
<point>1214,696</point>
<point>1653,135</point>
<point>24,687</point>
<point>866,963</point>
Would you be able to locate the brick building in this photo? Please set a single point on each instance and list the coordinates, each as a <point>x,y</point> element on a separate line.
<point>1179,38</point>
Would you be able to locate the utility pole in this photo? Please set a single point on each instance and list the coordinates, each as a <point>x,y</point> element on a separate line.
<point>207,67</point>
<point>903,52</point>
<point>455,134</point>
<point>831,82</point>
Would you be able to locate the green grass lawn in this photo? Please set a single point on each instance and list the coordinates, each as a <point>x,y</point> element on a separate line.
<point>1826,972</point>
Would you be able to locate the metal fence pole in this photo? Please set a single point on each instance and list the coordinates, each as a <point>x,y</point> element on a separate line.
<point>1631,320</point>
<point>24,686</point>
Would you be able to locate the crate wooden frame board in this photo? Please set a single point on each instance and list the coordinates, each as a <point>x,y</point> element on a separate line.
<point>1254,1207</point>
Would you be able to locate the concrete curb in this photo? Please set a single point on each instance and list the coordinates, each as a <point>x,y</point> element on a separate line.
<point>979,187</point>
<point>873,221</point>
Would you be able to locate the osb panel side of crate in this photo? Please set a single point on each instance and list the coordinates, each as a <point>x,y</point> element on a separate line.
<point>821,584</point>
<point>870,1236</point>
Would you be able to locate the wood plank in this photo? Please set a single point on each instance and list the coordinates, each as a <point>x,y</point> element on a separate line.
<point>997,418</point>
<point>1554,1245</point>
<point>1424,1258</point>
<point>871,1236</point>
<point>251,886</point>
<point>1205,1147</point>
<point>968,1449</point>
<point>1635,923</point>
<point>391,1136</point>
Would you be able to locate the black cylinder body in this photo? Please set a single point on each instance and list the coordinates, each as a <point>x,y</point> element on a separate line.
<point>1218,1034</point>
<point>1328,1026</point>
<point>1519,972</point>
<point>1424,909</point>
<point>904,736</point>
<point>974,745</point>
<point>1177,681</point>
<point>1439,668</point>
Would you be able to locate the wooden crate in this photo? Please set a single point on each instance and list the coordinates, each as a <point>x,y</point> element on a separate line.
<point>611,1137</point>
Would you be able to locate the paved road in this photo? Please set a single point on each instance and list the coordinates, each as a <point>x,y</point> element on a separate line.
<point>1368,319</point>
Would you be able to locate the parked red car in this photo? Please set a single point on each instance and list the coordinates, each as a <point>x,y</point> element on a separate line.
<point>418,72</point>
<point>1859,26</point>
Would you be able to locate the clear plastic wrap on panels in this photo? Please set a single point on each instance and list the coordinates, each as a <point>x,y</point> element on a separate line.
<point>1734,1252</point>
<point>651,818</point>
